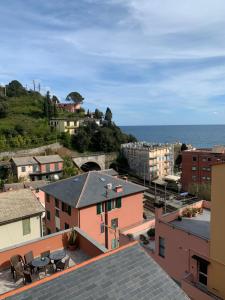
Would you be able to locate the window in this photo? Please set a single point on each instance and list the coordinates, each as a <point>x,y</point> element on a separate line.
<point>114,243</point>
<point>209,158</point>
<point>113,204</point>
<point>57,212</point>
<point>114,223</point>
<point>208,178</point>
<point>26,226</point>
<point>203,272</point>
<point>109,205</point>
<point>194,177</point>
<point>118,203</point>
<point>194,158</point>
<point>66,208</point>
<point>161,247</point>
<point>102,227</point>
<point>66,226</point>
<point>47,166</point>
<point>47,198</point>
<point>48,215</point>
<point>203,177</point>
<point>99,208</point>
<point>56,203</point>
<point>68,123</point>
<point>194,168</point>
<point>23,169</point>
<point>57,229</point>
<point>35,168</point>
<point>56,166</point>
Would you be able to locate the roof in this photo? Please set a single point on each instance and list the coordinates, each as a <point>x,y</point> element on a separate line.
<point>172,178</point>
<point>126,273</point>
<point>18,204</point>
<point>35,184</point>
<point>13,186</point>
<point>199,225</point>
<point>47,159</point>
<point>110,172</point>
<point>90,188</point>
<point>24,161</point>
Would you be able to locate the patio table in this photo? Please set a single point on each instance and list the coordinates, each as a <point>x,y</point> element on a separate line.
<point>57,255</point>
<point>40,262</point>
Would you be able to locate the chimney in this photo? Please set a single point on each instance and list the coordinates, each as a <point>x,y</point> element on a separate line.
<point>158,210</point>
<point>119,189</point>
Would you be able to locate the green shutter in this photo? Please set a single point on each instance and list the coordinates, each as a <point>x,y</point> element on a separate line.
<point>69,210</point>
<point>26,226</point>
<point>109,205</point>
<point>118,202</point>
<point>99,208</point>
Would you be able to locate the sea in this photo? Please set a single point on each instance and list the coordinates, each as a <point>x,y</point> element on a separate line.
<point>199,136</point>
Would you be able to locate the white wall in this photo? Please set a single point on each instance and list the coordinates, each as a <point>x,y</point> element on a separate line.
<point>12,233</point>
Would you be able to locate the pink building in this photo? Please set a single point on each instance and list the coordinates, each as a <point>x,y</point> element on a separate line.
<point>182,241</point>
<point>70,107</point>
<point>98,203</point>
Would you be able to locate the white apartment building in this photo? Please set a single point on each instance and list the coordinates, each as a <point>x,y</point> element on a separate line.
<point>149,161</point>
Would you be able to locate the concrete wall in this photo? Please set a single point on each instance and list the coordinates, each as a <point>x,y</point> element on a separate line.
<point>28,152</point>
<point>12,233</point>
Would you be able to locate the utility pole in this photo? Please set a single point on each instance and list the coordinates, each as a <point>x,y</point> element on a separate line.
<point>34,85</point>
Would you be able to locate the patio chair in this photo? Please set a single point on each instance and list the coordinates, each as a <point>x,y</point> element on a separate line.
<point>14,260</point>
<point>28,257</point>
<point>21,272</point>
<point>62,265</point>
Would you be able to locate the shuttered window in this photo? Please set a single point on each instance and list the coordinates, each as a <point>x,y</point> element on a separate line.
<point>109,205</point>
<point>26,226</point>
<point>118,202</point>
<point>69,210</point>
<point>99,208</point>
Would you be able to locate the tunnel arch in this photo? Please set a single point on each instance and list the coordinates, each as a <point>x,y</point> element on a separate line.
<point>90,166</point>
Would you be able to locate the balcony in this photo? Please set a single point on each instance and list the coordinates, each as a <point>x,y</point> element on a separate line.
<point>87,248</point>
<point>195,290</point>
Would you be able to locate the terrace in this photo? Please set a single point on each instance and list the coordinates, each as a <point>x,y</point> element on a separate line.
<point>55,243</point>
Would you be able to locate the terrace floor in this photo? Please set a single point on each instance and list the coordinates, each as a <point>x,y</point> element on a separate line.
<point>7,283</point>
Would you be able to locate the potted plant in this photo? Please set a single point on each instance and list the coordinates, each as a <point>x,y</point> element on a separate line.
<point>72,241</point>
<point>151,234</point>
<point>189,213</point>
<point>179,218</point>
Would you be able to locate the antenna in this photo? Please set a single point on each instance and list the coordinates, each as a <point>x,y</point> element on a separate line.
<point>34,85</point>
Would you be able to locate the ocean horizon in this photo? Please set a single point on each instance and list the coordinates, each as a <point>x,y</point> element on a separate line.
<point>202,136</point>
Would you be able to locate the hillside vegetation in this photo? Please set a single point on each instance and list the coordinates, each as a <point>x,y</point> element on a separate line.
<point>24,123</point>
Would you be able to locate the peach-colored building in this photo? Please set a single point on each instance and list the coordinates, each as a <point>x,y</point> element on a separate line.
<point>70,107</point>
<point>98,203</point>
<point>182,247</point>
<point>37,167</point>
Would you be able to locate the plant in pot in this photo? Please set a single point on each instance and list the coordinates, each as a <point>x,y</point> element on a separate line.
<point>72,241</point>
<point>151,234</point>
<point>189,213</point>
<point>179,218</point>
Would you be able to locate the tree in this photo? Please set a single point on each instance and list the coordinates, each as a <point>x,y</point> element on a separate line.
<point>55,99</point>
<point>15,89</point>
<point>183,147</point>
<point>75,97</point>
<point>68,167</point>
<point>98,114</point>
<point>82,140</point>
<point>108,115</point>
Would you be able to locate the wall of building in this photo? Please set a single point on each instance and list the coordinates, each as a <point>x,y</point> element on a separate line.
<point>12,233</point>
<point>26,173</point>
<point>216,276</point>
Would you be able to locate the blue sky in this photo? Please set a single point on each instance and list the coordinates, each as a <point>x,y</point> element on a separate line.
<point>151,61</point>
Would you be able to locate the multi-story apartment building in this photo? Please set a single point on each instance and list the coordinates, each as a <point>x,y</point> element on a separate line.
<point>196,165</point>
<point>37,167</point>
<point>98,203</point>
<point>65,125</point>
<point>20,217</point>
<point>149,161</point>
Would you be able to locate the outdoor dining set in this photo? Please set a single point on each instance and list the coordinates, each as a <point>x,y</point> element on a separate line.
<point>27,266</point>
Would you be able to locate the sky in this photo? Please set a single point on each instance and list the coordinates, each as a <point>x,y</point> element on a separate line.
<point>152,62</point>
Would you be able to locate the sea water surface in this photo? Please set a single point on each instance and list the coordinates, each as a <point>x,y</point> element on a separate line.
<point>197,135</point>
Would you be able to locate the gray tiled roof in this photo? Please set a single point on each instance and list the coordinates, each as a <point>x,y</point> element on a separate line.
<point>24,161</point>
<point>47,159</point>
<point>110,172</point>
<point>18,204</point>
<point>13,186</point>
<point>89,188</point>
<point>35,184</point>
<point>127,274</point>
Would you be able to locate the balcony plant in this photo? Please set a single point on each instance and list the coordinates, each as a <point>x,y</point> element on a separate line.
<point>72,241</point>
<point>151,234</point>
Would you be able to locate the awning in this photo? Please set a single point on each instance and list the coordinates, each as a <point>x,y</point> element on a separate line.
<point>159,182</point>
<point>200,259</point>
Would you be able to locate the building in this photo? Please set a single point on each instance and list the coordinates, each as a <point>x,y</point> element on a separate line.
<point>149,161</point>
<point>196,167</point>
<point>20,217</point>
<point>70,107</point>
<point>124,273</point>
<point>98,203</point>
<point>34,186</point>
<point>50,167</point>
<point>38,167</point>
<point>69,125</point>
<point>216,270</point>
